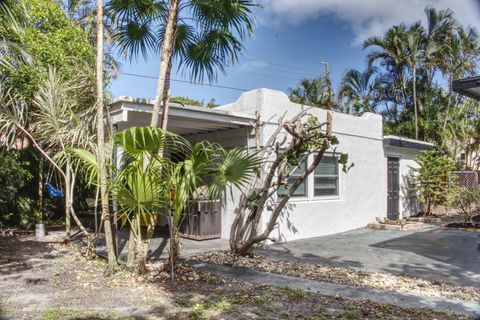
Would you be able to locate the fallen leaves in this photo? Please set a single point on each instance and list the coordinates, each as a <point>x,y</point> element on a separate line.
<point>376,280</point>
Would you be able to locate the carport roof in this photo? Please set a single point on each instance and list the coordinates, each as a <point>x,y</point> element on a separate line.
<point>182,119</point>
<point>401,142</point>
<point>469,87</point>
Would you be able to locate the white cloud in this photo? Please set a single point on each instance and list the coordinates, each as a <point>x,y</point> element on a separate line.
<point>366,17</point>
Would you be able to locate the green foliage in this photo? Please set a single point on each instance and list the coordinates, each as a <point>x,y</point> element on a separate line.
<point>142,186</point>
<point>315,92</point>
<point>187,101</point>
<point>13,176</point>
<point>212,104</point>
<point>462,199</point>
<point>192,102</point>
<point>208,36</point>
<point>408,60</point>
<point>51,39</point>
<point>431,180</point>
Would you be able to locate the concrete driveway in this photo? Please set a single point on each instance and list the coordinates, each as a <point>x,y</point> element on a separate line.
<point>433,254</point>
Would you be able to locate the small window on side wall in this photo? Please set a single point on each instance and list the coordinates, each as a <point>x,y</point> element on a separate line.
<point>326,177</point>
<point>302,188</point>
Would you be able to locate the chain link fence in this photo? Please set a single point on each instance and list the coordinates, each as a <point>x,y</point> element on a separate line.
<point>467,179</point>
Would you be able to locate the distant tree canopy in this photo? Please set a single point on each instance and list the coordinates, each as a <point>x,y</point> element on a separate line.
<point>192,102</point>
<point>50,38</point>
<point>408,81</point>
<point>315,92</point>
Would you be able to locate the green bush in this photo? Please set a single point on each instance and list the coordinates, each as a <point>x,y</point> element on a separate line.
<point>431,179</point>
<point>463,200</point>
<point>13,176</point>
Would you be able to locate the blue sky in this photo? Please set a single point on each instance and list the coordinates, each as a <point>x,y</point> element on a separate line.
<point>292,37</point>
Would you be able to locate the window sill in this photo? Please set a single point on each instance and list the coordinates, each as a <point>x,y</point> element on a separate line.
<point>314,199</point>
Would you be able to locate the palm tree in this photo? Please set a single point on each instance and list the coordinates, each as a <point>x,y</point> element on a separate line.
<point>209,166</point>
<point>12,18</point>
<point>83,13</point>
<point>106,218</point>
<point>198,36</point>
<point>54,125</point>
<point>361,89</point>
<point>441,28</point>
<point>313,92</point>
<point>414,51</point>
<point>142,188</point>
<point>390,53</point>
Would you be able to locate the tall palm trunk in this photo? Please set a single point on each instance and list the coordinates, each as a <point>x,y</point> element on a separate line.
<point>414,82</point>
<point>112,257</point>
<point>166,95</point>
<point>165,64</point>
<point>449,101</point>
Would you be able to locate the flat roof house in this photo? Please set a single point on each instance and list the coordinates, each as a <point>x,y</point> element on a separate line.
<point>330,201</point>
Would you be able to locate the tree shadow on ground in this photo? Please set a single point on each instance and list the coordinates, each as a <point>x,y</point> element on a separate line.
<point>18,249</point>
<point>453,254</point>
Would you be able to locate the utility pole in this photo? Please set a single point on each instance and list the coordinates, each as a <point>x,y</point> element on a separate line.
<point>329,83</point>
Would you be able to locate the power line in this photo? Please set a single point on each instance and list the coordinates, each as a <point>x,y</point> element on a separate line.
<point>268,75</point>
<point>185,81</point>
<point>278,64</point>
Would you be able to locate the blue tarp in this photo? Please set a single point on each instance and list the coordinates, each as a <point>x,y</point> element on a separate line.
<point>53,192</point>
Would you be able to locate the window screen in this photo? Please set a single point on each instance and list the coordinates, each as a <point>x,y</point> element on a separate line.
<point>326,177</point>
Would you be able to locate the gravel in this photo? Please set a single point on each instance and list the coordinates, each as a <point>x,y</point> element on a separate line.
<point>384,281</point>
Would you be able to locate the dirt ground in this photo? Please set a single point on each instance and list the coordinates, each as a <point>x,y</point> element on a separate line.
<point>48,280</point>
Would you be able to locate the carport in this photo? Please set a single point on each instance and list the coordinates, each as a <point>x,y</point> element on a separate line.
<point>469,87</point>
<point>184,120</point>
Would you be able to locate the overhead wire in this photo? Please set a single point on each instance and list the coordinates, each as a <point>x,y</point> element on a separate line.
<point>185,81</point>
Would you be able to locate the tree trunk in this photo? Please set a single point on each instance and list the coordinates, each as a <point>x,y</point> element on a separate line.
<point>449,101</point>
<point>166,57</point>
<point>40,188</point>
<point>143,246</point>
<point>112,259</point>
<point>244,231</point>
<point>91,253</point>
<point>68,177</point>
<point>166,96</point>
<point>173,256</point>
<point>414,82</point>
<point>132,245</point>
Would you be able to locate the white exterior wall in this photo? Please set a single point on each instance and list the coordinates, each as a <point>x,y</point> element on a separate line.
<point>362,191</point>
<point>362,195</point>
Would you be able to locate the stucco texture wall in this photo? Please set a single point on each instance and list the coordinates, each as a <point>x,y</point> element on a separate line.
<point>361,191</point>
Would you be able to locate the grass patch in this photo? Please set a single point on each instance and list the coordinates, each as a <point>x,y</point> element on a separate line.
<point>292,294</point>
<point>59,314</point>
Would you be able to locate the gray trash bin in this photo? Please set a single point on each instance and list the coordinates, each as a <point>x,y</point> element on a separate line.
<point>202,220</point>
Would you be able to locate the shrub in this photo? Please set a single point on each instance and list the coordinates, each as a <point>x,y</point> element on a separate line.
<point>13,176</point>
<point>464,200</point>
<point>431,181</point>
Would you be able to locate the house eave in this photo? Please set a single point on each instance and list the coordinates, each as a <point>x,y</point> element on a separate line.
<point>183,119</point>
<point>406,143</point>
<point>469,87</point>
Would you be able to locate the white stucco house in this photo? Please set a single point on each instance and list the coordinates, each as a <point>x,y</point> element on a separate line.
<point>330,201</point>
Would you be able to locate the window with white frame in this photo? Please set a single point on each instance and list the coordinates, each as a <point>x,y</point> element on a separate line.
<point>298,172</point>
<point>326,177</point>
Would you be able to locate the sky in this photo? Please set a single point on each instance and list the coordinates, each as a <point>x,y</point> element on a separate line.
<point>291,39</point>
